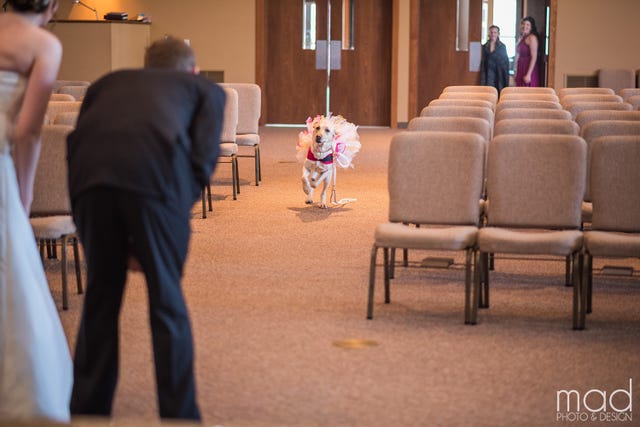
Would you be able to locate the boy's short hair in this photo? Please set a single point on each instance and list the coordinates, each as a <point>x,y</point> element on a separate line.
<point>170,53</point>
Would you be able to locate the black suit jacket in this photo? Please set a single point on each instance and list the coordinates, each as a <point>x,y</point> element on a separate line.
<point>150,131</point>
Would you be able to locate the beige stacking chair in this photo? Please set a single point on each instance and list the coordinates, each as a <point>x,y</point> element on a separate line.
<point>77,91</point>
<point>527,90</point>
<point>634,101</point>
<point>535,185</point>
<point>452,124</point>
<point>249,109</point>
<point>590,133</point>
<point>485,96</point>
<point>60,83</point>
<point>61,97</point>
<point>585,117</point>
<point>616,79</point>
<point>228,147</point>
<point>51,209</point>
<point>536,126</point>
<point>584,90</point>
<point>69,118</point>
<point>570,99</point>
<point>532,113</point>
<point>627,92</point>
<point>577,107</point>
<point>529,97</point>
<point>615,230</point>
<point>446,167</point>
<point>471,88</point>
<point>503,105</point>
<point>479,112</point>
<point>461,103</point>
<point>56,107</point>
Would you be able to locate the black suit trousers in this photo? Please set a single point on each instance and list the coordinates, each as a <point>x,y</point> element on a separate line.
<point>112,224</point>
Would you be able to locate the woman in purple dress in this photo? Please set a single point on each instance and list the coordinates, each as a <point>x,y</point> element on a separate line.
<point>527,50</point>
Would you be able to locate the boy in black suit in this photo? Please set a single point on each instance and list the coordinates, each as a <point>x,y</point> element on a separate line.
<point>145,144</point>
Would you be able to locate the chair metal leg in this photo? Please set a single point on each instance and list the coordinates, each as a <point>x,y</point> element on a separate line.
<point>475,295</point>
<point>484,279</point>
<point>387,292</point>
<point>209,197</point>
<point>256,159</point>
<point>405,257</point>
<point>372,281</point>
<point>204,205</point>
<point>492,262</point>
<point>469,294</point>
<point>234,177</point>
<point>392,264</point>
<point>259,162</point>
<point>579,292</point>
<point>589,279</point>
<point>76,257</point>
<point>63,249</point>
<point>567,275</point>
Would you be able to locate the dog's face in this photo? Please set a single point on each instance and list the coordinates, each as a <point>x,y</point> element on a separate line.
<point>323,134</point>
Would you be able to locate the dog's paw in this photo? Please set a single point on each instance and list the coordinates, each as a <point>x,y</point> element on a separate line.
<point>308,202</point>
<point>323,206</point>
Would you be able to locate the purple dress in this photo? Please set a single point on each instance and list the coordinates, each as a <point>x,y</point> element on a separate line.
<point>524,58</point>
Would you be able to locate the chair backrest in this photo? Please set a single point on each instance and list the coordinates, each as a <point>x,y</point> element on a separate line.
<point>77,91</point>
<point>584,90</point>
<point>527,89</point>
<point>599,128</point>
<point>451,124</point>
<point>503,105</point>
<point>249,106</point>
<point>576,107</point>
<point>532,113</point>
<point>56,107</point>
<point>69,118</point>
<point>634,101</point>
<point>50,188</point>
<point>471,88</point>
<point>615,177</point>
<point>485,96</point>
<point>230,116</point>
<point>616,79</point>
<point>569,99</point>
<point>59,83</point>
<point>536,181</point>
<point>461,103</point>
<point>61,97</point>
<point>452,111</point>
<point>628,91</point>
<point>536,126</point>
<point>588,116</point>
<point>435,177</point>
<point>529,97</point>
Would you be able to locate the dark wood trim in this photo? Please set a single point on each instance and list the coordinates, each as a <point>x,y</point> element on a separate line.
<point>260,57</point>
<point>414,44</point>
<point>393,120</point>
<point>553,23</point>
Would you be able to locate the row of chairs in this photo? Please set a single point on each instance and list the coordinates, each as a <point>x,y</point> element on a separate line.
<point>497,239</point>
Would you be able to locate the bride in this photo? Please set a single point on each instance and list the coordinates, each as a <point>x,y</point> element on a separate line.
<point>35,365</point>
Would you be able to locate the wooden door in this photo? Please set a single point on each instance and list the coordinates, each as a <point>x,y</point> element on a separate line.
<point>437,63</point>
<point>293,89</point>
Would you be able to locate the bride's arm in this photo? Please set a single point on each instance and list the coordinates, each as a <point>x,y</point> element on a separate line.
<point>26,133</point>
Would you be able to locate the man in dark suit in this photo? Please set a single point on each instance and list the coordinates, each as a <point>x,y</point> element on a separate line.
<point>145,144</point>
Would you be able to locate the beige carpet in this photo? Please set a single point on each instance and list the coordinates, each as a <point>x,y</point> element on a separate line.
<point>273,284</point>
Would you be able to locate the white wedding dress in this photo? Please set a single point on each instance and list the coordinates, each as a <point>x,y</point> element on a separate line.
<point>36,371</point>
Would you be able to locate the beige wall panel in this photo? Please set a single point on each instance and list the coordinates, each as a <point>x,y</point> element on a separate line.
<point>87,50</point>
<point>128,44</point>
<point>593,34</point>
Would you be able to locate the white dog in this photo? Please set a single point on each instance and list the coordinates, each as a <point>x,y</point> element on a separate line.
<point>327,140</point>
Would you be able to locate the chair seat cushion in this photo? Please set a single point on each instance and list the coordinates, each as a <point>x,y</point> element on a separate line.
<point>612,244</point>
<point>248,139</point>
<point>531,242</point>
<point>228,149</point>
<point>395,235</point>
<point>52,227</point>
